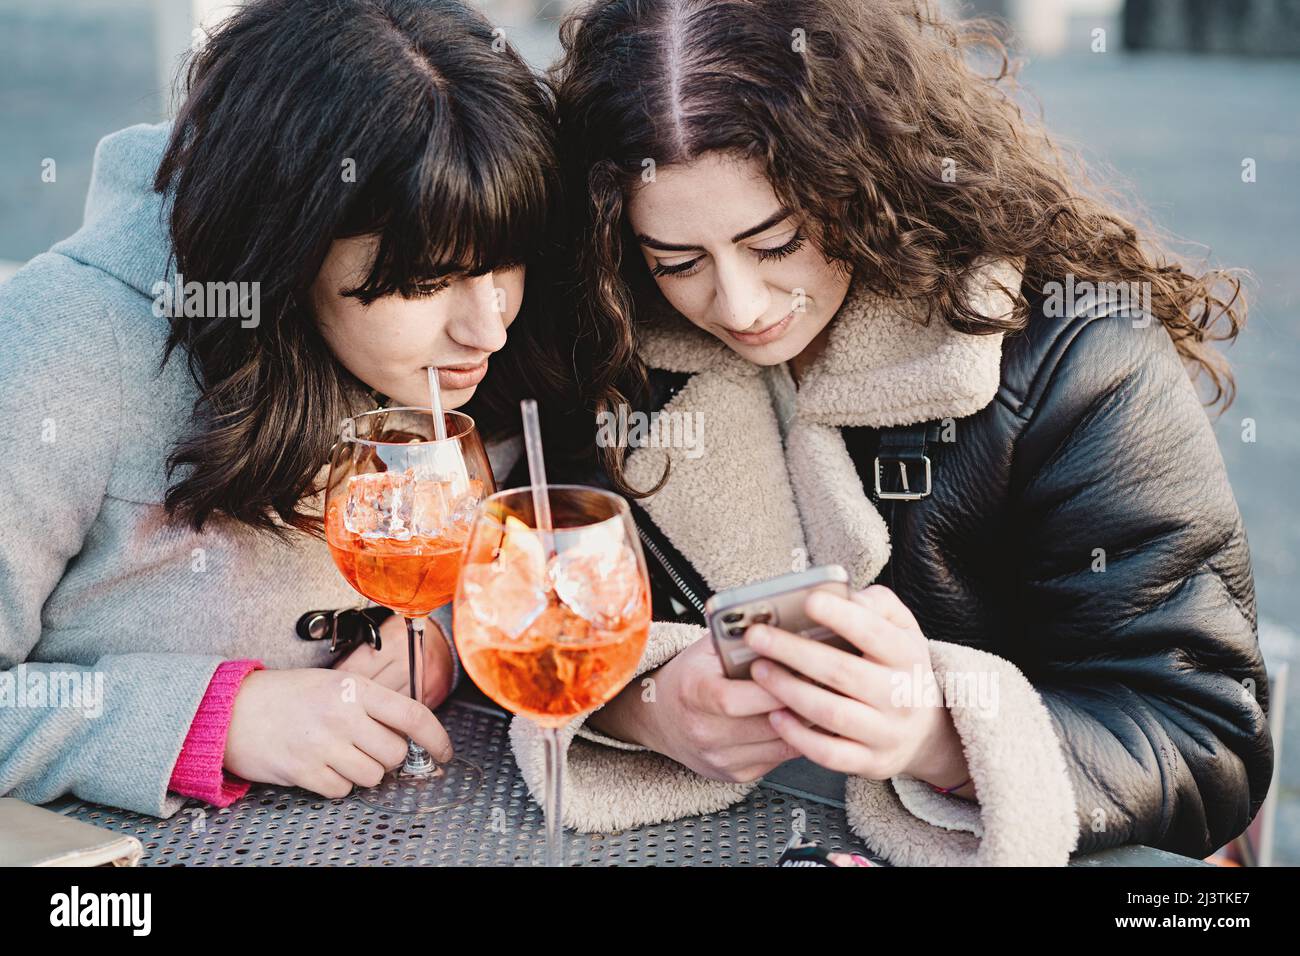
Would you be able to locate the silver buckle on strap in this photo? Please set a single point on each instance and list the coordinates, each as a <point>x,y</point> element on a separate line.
<point>906,493</point>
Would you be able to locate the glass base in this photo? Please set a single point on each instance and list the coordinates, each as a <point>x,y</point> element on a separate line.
<point>449,785</point>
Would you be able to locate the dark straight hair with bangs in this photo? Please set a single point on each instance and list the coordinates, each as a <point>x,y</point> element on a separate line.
<point>307,121</point>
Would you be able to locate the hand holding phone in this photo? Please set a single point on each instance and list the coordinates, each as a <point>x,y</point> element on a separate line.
<point>778,602</point>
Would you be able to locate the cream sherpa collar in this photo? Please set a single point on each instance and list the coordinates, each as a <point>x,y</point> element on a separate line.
<point>742,507</point>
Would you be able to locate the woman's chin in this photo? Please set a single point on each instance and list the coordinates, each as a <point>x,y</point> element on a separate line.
<point>771,353</point>
<point>454,398</point>
<point>451,398</point>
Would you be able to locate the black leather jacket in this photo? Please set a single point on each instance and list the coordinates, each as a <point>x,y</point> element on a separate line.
<point>1083,527</point>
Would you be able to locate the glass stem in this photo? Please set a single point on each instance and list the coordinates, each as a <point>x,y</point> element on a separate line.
<point>418,762</point>
<point>554,786</point>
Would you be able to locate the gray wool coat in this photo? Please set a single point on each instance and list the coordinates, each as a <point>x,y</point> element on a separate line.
<point>112,618</point>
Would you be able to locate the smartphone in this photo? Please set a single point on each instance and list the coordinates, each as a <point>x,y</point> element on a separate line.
<point>778,602</point>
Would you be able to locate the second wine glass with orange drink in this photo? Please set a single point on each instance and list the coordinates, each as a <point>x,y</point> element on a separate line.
<point>552,610</point>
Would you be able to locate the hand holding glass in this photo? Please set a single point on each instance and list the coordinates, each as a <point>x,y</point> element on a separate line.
<point>398,509</point>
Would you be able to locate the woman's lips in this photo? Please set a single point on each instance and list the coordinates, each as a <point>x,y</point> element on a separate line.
<point>769,334</point>
<point>456,378</point>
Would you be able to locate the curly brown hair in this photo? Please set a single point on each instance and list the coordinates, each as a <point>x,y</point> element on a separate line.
<point>855,108</point>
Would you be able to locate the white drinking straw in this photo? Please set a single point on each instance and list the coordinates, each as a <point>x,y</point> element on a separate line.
<point>537,473</point>
<point>435,402</point>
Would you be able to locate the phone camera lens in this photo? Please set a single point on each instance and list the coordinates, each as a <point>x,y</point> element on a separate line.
<point>732,617</point>
<point>735,632</point>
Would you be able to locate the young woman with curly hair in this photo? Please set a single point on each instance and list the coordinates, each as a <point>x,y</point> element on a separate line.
<point>873,318</point>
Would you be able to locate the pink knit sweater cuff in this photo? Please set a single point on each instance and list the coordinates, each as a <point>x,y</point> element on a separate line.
<point>198,772</point>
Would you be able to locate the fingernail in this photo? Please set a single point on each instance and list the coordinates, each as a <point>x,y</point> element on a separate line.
<point>756,636</point>
<point>760,669</point>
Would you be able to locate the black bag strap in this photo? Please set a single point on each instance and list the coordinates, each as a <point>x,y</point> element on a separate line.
<point>902,465</point>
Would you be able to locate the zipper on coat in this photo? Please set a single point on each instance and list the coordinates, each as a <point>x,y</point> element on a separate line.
<point>692,598</point>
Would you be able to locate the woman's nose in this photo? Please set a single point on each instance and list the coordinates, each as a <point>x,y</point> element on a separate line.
<point>741,295</point>
<point>480,312</point>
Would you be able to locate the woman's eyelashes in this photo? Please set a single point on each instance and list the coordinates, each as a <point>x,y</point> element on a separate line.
<point>676,269</point>
<point>422,290</point>
<point>787,248</point>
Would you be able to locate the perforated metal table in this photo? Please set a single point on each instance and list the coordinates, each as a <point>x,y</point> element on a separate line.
<point>500,825</point>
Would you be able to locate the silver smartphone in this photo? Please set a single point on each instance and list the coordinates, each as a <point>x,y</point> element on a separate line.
<point>778,602</point>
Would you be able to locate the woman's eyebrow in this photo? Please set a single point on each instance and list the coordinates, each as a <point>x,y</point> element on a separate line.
<point>767,223</point>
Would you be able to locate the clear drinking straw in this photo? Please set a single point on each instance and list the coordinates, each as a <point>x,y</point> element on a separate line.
<point>537,473</point>
<point>553,764</point>
<point>435,402</point>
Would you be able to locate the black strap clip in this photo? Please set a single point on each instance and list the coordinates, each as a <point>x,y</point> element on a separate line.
<point>344,627</point>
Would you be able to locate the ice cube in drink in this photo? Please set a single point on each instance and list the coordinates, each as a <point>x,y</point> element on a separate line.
<point>597,576</point>
<point>378,505</point>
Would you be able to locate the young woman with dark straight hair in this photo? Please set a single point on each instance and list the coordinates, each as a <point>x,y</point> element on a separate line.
<point>362,187</point>
<point>812,231</point>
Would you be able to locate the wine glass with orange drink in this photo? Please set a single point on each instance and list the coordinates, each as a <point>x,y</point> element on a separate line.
<point>403,489</point>
<point>552,610</point>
